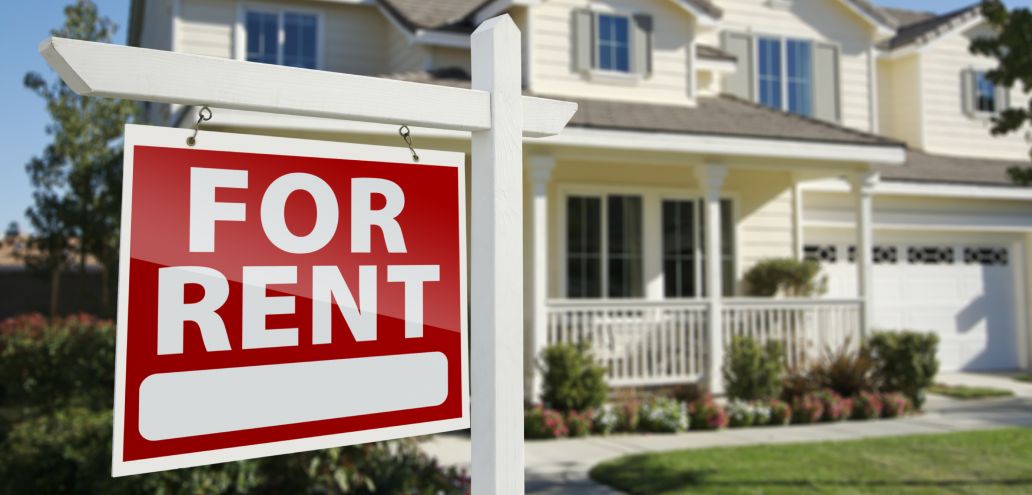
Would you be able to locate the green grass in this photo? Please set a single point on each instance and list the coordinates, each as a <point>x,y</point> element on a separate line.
<point>1024,377</point>
<point>964,392</point>
<point>985,462</point>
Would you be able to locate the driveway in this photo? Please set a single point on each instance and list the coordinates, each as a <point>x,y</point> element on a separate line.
<point>561,466</point>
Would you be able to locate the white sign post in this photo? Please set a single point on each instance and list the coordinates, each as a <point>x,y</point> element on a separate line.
<point>493,110</point>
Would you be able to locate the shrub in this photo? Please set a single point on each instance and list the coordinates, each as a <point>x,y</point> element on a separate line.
<point>572,380</point>
<point>752,372</point>
<point>706,414</point>
<point>630,416</point>
<point>664,415</point>
<point>867,405</point>
<point>740,414</point>
<point>539,422</point>
<point>894,404</point>
<point>846,370</point>
<point>906,362</point>
<point>579,424</point>
<point>807,409</point>
<point>800,381</point>
<point>56,377</point>
<point>762,413</point>
<point>605,419</point>
<point>786,276</point>
<point>835,407</point>
<point>780,412</point>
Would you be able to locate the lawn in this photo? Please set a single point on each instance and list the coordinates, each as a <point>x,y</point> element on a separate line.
<point>964,392</point>
<point>996,462</point>
<point>1024,377</point>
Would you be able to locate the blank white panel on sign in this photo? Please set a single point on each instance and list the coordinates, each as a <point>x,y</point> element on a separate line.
<point>190,403</point>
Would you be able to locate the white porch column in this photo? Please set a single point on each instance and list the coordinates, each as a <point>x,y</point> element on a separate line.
<point>540,174</point>
<point>711,180</point>
<point>863,186</point>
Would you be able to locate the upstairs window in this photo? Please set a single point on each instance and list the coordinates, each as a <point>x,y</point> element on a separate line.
<point>614,47</point>
<point>282,38</point>
<point>769,79</point>
<point>985,94</point>
<point>800,77</point>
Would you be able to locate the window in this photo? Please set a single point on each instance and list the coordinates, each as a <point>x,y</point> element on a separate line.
<point>614,48</point>
<point>800,75</point>
<point>769,50</point>
<point>282,38</point>
<point>683,248</point>
<point>985,94</point>
<point>620,255</point>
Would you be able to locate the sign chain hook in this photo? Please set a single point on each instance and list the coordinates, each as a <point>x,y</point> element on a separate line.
<point>405,134</point>
<point>203,115</point>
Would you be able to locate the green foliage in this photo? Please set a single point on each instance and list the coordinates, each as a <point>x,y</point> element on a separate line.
<point>572,380</point>
<point>664,415</point>
<point>786,276</point>
<point>807,409</point>
<point>579,423</point>
<point>964,392</point>
<point>847,371</point>
<point>905,362</point>
<point>56,389</point>
<point>706,414</point>
<point>539,423</point>
<point>780,412</point>
<point>77,179</point>
<point>752,372</point>
<point>867,405</point>
<point>1012,48</point>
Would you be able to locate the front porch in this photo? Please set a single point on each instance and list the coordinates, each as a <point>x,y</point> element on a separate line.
<point>621,257</point>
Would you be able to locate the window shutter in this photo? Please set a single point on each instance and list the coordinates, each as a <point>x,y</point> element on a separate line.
<point>583,40</point>
<point>641,45</point>
<point>741,82</point>
<point>967,91</point>
<point>1002,99</point>
<point>826,82</point>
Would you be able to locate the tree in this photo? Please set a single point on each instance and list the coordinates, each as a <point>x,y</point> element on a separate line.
<point>77,181</point>
<point>1012,47</point>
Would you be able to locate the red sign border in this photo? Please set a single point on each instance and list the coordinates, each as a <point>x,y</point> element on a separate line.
<point>140,135</point>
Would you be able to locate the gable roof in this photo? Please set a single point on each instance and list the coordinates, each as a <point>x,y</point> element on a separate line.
<point>926,167</point>
<point>923,29</point>
<point>713,116</point>
<point>875,13</point>
<point>457,15</point>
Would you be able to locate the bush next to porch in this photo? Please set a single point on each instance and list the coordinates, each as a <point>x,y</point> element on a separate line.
<point>787,276</point>
<point>753,372</point>
<point>906,362</point>
<point>572,380</point>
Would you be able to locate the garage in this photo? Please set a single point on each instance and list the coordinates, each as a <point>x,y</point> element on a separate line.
<point>964,289</point>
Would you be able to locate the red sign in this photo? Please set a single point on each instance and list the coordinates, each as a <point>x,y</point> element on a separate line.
<point>279,295</point>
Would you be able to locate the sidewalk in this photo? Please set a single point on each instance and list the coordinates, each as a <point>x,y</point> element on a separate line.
<point>561,466</point>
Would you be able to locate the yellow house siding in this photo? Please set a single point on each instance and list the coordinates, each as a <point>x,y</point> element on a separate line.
<point>764,213</point>
<point>552,42</point>
<point>206,27</point>
<point>403,56</point>
<point>821,20</point>
<point>948,129</point>
<point>900,99</point>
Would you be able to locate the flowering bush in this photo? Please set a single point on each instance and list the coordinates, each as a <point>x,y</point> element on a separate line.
<point>807,409</point>
<point>579,423</point>
<point>630,416</point>
<point>762,413</point>
<point>605,419</point>
<point>664,415</point>
<point>836,408</point>
<point>706,414</point>
<point>780,413</point>
<point>539,422</point>
<point>867,405</point>
<point>894,404</point>
<point>740,414</point>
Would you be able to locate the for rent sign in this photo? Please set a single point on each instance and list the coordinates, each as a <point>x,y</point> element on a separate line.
<point>279,295</point>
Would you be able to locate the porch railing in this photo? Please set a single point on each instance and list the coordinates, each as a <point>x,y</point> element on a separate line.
<point>639,343</point>
<point>664,342</point>
<point>805,327</point>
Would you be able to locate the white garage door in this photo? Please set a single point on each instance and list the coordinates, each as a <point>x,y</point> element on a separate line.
<point>964,293</point>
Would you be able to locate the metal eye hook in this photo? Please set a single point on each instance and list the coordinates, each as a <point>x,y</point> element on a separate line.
<point>406,135</point>
<point>203,115</point>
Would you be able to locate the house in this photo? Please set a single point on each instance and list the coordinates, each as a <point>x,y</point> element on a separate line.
<point>711,135</point>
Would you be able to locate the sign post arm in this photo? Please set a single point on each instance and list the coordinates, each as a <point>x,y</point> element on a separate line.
<point>496,294</point>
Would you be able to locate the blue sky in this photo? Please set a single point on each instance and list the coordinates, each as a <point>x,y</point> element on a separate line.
<point>26,22</point>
